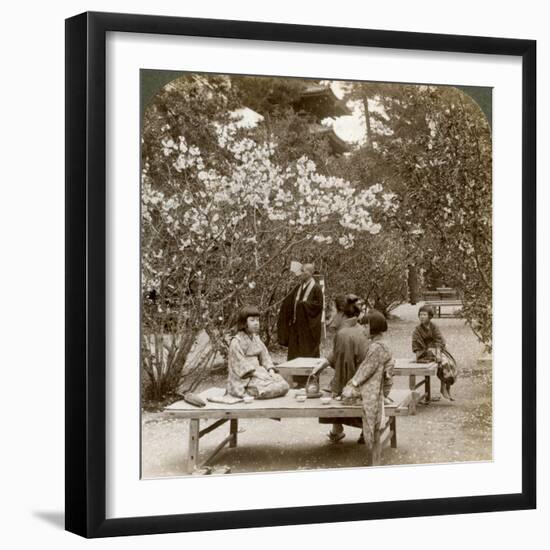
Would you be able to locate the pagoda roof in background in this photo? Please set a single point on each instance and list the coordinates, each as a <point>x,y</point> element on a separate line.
<point>321,102</point>
<point>337,144</point>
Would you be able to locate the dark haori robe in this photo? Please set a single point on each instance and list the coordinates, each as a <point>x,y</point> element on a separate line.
<point>349,350</point>
<point>299,322</point>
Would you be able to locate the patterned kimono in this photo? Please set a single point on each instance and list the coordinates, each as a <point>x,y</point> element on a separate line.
<point>425,341</point>
<point>372,380</point>
<point>248,366</point>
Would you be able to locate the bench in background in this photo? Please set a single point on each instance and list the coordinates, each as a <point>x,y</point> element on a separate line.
<point>442,297</point>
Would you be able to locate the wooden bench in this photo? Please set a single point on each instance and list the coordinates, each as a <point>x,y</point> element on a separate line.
<point>442,297</point>
<point>276,409</point>
<point>412,369</point>
<point>438,304</point>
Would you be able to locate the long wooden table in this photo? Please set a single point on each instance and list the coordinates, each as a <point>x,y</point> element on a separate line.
<point>302,366</point>
<point>278,408</point>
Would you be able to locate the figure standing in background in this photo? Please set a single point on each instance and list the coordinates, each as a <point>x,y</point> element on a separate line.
<point>299,322</point>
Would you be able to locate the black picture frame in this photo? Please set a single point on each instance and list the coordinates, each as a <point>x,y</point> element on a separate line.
<point>86,274</point>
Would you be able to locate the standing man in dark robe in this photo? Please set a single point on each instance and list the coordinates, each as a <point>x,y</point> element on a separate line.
<point>299,322</point>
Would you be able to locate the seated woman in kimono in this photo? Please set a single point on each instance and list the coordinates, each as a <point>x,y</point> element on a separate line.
<point>372,383</point>
<point>428,345</point>
<point>349,349</point>
<point>251,370</point>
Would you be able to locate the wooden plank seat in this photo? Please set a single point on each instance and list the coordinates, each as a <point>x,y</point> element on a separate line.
<point>438,304</point>
<point>421,390</point>
<point>276,409</point>
<point>442,297</point>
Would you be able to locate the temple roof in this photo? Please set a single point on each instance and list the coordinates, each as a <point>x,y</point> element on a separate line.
<point>321,102</point>
<point>337,144</point>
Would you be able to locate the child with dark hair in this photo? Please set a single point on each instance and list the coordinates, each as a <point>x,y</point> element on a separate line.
<point>250,368</point>
<point>372,382</point>
<point>428,345</point>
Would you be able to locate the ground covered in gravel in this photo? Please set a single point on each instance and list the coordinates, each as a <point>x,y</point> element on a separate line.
<point>440,432</point>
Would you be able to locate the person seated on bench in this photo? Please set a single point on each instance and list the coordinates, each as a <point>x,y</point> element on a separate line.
<point>428,345</point>
<point>349,350</point>
<point>372,382</point>
<point>251,370</point>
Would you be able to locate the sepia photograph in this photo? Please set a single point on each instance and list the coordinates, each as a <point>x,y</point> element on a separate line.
<point>316,274</point>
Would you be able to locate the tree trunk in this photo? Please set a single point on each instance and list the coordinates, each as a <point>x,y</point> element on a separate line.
<point>413,284</point>
<point>365,100</point>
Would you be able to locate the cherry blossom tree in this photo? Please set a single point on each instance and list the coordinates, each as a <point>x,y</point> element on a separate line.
<point>218,233</point>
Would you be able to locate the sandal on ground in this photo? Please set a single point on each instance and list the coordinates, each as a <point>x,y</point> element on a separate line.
<point>335,438</point>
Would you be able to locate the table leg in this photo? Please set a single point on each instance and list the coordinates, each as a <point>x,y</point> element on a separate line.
<point>193,449</point>
<point>428,387</point>
<point>376,450</point>
<point>393,428</point>
<point>233,429</point>
<point>412,387</point>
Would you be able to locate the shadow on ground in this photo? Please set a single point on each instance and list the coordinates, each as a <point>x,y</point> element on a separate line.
<point>441,432</point>
<point>57,519</point>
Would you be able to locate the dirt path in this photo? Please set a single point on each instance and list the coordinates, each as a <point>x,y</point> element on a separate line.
<point>441,432</point>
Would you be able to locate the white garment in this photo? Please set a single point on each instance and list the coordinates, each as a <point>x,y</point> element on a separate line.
<point>303,292</point>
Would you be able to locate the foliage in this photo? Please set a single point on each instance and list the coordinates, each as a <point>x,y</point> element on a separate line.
<point>272,97</point>
<point>431,146</point>
<point>226,206</point>
<point>221,222</point>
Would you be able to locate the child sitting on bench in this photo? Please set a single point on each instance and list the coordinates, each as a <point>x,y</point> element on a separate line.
<point>428,345</point>
<point>251,370</point>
